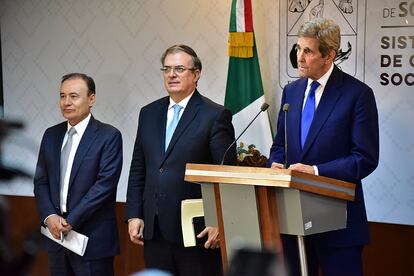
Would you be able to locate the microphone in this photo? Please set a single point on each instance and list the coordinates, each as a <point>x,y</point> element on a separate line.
<point>263,108</point>
<point>6,126</point>
<point>7,173</point>
<point>286,107</point>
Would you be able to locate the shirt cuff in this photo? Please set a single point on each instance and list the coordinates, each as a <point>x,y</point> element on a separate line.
<point>44,222</point>
<point>316,170</point>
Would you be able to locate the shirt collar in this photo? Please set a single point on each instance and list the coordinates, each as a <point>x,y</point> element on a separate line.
<point>81,126</point>
<point>324,79</point>
<point>183,102</point>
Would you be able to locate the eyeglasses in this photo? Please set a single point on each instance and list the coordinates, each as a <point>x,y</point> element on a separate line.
<point>178,70</point>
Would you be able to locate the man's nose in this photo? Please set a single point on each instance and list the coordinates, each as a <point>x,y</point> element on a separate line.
<point>67,101</point>
<point>172,73</point>
<point>299,55</point>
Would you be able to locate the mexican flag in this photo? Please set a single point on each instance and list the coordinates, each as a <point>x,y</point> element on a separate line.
<point>244,90</point>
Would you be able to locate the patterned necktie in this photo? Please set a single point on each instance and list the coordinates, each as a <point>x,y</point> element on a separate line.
<point>64,157</point>
<point>308,112</point>
<point>172,125</point>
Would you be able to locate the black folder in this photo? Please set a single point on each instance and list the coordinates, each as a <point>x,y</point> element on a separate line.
<point>199,225</point>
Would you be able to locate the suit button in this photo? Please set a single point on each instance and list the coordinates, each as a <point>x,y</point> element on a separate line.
<point>161,170</point>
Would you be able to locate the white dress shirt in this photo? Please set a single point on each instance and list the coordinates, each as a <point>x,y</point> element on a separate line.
<point>80,129</point>
<point>319,91</point>
<point>318,95</point>
<point>170,112</point>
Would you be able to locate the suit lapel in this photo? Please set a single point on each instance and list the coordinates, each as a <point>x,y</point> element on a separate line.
<point>57,148</point>
<point>87,139</point>
<point>189,114</point>
<point>326,105</point>
<point>161,128</point>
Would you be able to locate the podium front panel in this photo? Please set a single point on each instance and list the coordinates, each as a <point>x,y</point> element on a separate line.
<point>240,217</point>
<point>209,205</point>
<point>303,213</point>
<point>290,211</point>
<point>322,214</point>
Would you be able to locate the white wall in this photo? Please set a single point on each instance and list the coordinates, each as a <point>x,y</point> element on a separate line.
<point>118,43</point>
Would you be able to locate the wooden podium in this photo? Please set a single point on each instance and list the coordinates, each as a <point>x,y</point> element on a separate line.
<point>253,206</point>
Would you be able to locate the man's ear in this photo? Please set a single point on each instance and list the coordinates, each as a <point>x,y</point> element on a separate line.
<point>197,74</point>
<point>331,56</point>
<point>91,99</point>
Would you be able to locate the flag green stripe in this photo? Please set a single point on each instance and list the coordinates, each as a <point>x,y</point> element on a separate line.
<point>244,83</point>
<point>233,27</point>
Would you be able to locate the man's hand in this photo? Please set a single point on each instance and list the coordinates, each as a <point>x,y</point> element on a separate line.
<point>66,227</point>
<point>213,240</point>
<point>277,165</point>
<point>55,226</point>
<point>302,168</point>
<point>136,230</point>
<point>295,167</point>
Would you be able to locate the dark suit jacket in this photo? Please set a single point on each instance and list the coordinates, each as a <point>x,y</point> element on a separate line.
<point>92,185</point>
<point>342,142</point>
<point>156,180</point>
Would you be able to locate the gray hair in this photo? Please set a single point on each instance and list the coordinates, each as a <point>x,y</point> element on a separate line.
<point>186,49</point>
<point>326,31</point>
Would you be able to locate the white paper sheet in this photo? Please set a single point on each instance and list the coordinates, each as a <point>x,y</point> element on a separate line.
<point>73,241</point>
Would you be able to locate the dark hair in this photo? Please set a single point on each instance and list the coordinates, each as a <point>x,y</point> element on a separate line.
<point>186,49</point>
<point>88,80</point>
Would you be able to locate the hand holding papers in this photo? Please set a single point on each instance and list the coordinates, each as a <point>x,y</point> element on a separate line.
<point>73,241</point>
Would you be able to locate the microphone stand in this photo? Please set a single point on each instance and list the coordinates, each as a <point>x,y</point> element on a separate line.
<point>300,239</point>
<point>286,110</point>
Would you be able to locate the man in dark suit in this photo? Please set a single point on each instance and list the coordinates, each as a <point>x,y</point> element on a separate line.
<point>333,132</point>
<point>77,173</point>
<point>156,183</point>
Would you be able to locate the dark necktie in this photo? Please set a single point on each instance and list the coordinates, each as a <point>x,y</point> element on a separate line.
<point>64,157</point>
<point>308,112</point>
<point>171,127</point>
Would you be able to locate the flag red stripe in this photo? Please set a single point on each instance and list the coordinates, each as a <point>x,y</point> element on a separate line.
<point>248,16</point>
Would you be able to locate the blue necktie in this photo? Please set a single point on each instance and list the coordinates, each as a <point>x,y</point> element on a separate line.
<point>308,112</point>
<point>171,127</point>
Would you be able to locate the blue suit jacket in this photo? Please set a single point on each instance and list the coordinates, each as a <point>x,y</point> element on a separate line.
<point>156,180</point>
<point>343,142</point>
<point>92,186</point>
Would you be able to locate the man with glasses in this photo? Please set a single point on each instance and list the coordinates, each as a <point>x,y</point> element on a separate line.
<point>184,127</point>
